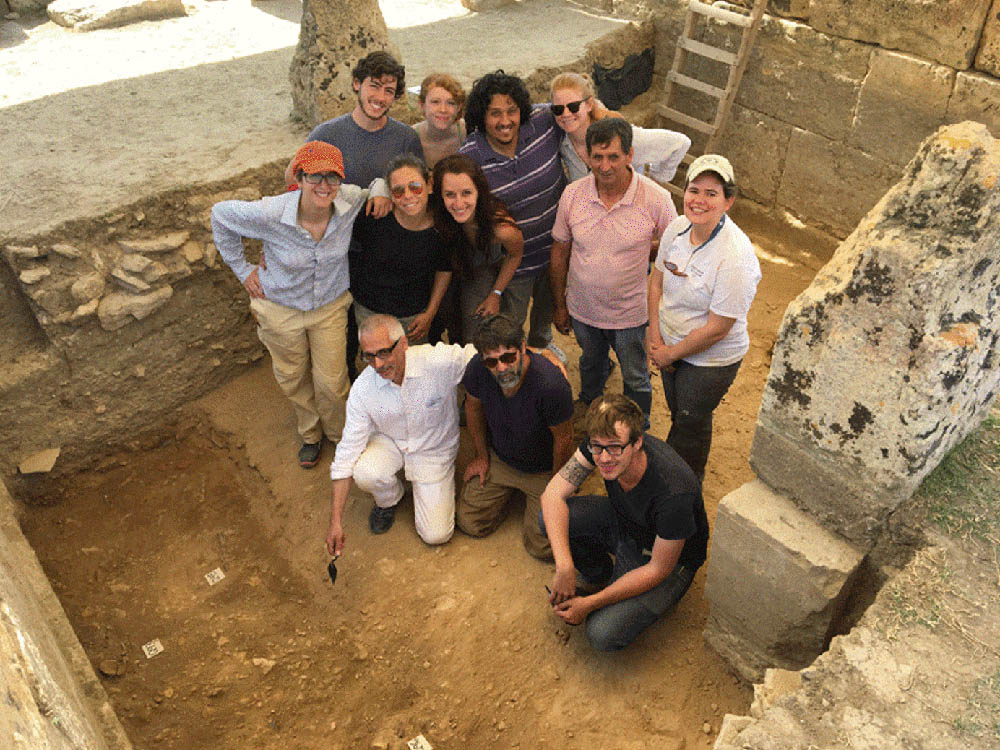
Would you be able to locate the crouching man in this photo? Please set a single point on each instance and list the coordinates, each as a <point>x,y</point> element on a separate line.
<point>401,414</point>
<point>652,523</point>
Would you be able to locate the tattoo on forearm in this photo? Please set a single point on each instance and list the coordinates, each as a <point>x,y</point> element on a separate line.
<point>574,472</point>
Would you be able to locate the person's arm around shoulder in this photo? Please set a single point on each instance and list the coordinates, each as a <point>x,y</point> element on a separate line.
<point>555,512</point>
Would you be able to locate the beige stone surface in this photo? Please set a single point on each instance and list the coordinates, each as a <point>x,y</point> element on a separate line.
<point>988,56</point>
<point>756,145</point>
<point>902,101</point>
<point>946,31</point>
<point>913,290</point>
<point>88,15</point>
<point>776,581</point>
<point>976,97</point>
<point>829,184</point>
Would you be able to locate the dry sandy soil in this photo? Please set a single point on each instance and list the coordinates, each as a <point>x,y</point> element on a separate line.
<point>456,642</point>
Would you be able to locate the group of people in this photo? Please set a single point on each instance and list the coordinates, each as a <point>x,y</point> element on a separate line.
<point>457,228</point>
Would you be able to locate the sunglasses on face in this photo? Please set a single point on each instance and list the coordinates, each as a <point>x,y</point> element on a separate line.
<point>508,358</point>
<point>383,354</point>
<point>573,107</point>
<point>332,178</point>
<point>415,187</point>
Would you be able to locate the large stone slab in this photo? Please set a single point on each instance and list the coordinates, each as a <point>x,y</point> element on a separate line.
<point>946,31</point>
<point>829,184</point>
<point>988,57</point>
<point>88,15</point>
<point>902,101</point>
<point>976,97</point>
<point>800,76</point>
<point>776,582</point>
<point>756,145</point>
<point>890,357</point>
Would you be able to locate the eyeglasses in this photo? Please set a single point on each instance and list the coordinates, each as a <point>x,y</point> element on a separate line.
<point>614,450</point>
<point>383,354</point>
<point>508,358</point>
<point>332,178</point>
<point>398,191</point>
<point>573,107</point>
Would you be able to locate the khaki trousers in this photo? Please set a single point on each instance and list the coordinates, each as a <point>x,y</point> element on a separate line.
<point>482,509</point>
<point>308,357</point>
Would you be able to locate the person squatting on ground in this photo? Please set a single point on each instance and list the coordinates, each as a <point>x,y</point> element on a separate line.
<point>518,148</point>
<point>487,243</point>
<point>637,549</point>
<point>402,267</point>
<point>300,296</point>
<point>700,291</point>
<point>519,411</point>
<point>401,414</point>
<point>606,230</point>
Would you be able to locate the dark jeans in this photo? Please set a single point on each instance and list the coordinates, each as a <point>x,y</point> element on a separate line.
<point>594,536</point>
<point>692,394</point>
<point>630,347</point>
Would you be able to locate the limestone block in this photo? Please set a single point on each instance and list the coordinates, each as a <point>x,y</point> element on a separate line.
<point>946,31</point>
<point>789,8</point>
<point>39,463</point>
<point>135,263</point>
<point>902,101</point>
<point>155,271</point>
<point>129,282</point>
<point>164,243</point>
<point>756,145</point>
<point>211,254</point>
<point>976,97</point>
<point>890,357</point>
<point>115,310</point>
<point>333,36</point>
<point>988,56</point>
<point>192,251</point>
<point>805,78</point>
<point>66,251</point>
<point>87,15</point>
<point>829,184</point>
<point>776,581</point>
<point>87,287</point>
<point>34,275</point>
<point>15,253</point>
<point>84,311</point>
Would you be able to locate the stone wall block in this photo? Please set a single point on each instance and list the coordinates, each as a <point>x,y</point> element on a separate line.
<point>88,15</point>
<point>116,309</point>
<point>162,244</point>
<point>831,185</point>
<point>914,290</point>
<point>800,76</point>
<point>988,57</point>
<point>946,31</point>
<point>976,97</point>
<point>902,101</point>
<point>756,146</point>
<point>88,287</point>
<point>776,582</point>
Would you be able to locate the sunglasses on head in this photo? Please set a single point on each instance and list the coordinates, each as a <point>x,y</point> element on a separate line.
<point>398,191</point>
<point>508,358</point>
<point>573,107</point>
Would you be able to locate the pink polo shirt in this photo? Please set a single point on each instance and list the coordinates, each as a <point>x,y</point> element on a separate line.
<point>609,258</point>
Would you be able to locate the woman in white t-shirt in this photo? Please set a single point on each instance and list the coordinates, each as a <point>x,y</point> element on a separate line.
<point>700,290</point>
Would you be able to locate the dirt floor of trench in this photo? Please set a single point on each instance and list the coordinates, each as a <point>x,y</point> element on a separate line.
<point>455,642</point>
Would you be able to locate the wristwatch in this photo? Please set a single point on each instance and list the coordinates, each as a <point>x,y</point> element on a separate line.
<point>498,292</point>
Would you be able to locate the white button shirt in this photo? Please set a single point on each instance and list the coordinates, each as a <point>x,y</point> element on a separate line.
<point>420,416</point>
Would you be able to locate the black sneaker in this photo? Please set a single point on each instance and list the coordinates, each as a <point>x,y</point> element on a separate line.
<point>380,519</point>
<point>309,455</point>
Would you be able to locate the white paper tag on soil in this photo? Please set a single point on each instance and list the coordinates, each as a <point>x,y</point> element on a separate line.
<point>419,743</point>
<point>152,648</point>
<point>214,576</point>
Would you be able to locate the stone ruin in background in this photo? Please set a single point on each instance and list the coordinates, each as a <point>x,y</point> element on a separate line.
<point>884,364</point>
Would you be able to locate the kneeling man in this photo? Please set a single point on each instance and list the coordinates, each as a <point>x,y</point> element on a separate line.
<point>519,410</point>
<point>401,414</point>
<point>652,522</point>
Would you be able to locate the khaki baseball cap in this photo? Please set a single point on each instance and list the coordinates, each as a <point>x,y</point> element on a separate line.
<point>711,163</point>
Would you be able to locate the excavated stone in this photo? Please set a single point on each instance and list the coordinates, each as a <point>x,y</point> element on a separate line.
<point>162,244</point>
<point>829,184</point>
<point>84,15</point>
<point>88,287</point>
<point>84,311</point>
<point>192,251</point>
<point>976,97</point>
<point>334,35</point>
<point>66,251</point>
<point>129,282</point>
<point>890,358</point>
<point>135,263</point>
<point>789,8</point>
<point>776,582</point>
<point>790,63</point>
<point>988,57</point>
<point>756,145</point>
<point>16,253</point>
<point>904,98</point>
<point>156,271</point>
<point>946,32</point>
<point>34,275</point>
<point>39,463</point>
<point>116,310</point>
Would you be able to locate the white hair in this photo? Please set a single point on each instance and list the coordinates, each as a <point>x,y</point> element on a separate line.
<point>371,325</point>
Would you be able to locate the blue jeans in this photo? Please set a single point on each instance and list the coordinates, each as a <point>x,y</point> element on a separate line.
<point>534,289</point>
<point>594,536</point>
<point>630,348</point>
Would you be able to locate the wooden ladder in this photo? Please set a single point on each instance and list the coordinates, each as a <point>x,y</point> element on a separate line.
<point>737,63</point>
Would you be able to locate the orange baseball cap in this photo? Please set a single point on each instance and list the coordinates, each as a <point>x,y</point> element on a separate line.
<point>317,156</point>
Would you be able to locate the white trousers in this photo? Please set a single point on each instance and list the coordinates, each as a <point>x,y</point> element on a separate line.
<point>376,472</point>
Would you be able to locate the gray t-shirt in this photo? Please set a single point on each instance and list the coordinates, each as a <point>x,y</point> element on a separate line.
<point>367,153</point>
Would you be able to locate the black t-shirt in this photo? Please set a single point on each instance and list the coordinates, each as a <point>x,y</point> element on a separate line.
<point>666,503</point>
<point>392,269</point>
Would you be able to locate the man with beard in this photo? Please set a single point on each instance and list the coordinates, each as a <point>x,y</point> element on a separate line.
<point>519,411</point>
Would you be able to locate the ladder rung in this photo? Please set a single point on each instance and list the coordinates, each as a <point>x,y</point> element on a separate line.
<point>684,119</point>
<point>707,50</point>
<point>688,158</point>
<point>694,83</point>
<point>673,188</point>
<point>719,13</point>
